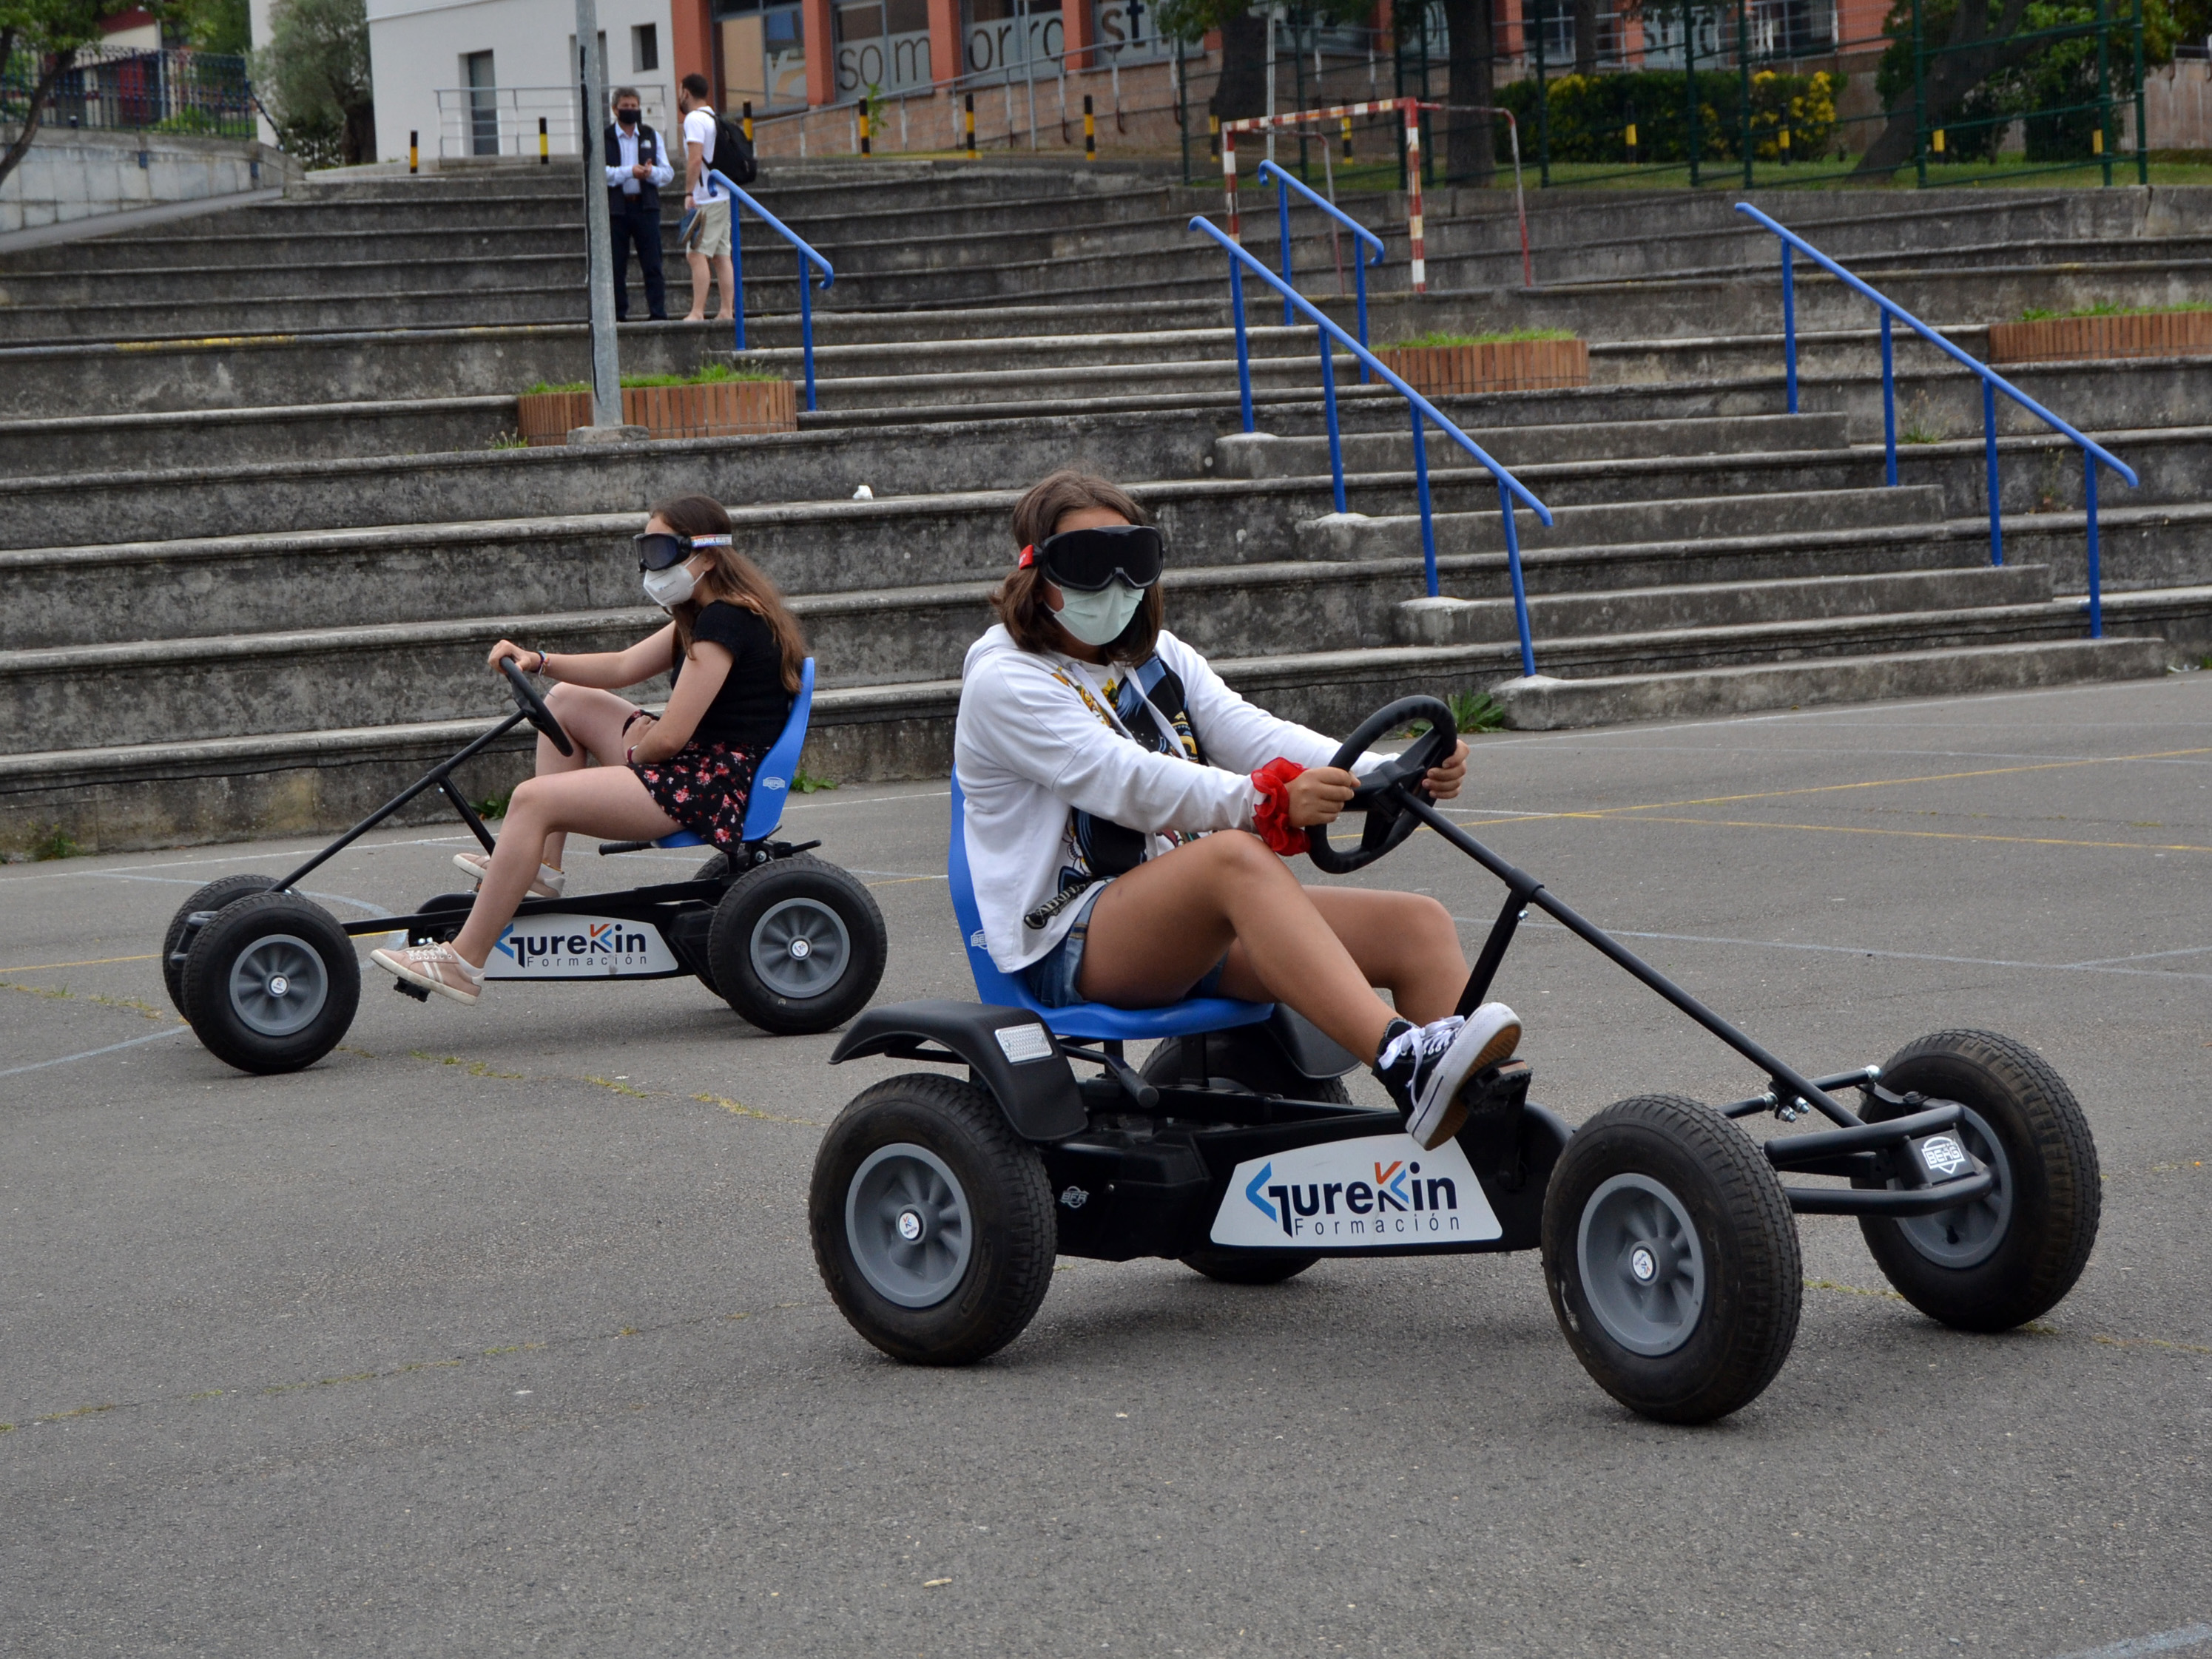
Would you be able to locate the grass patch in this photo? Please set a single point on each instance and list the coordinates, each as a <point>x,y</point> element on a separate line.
<point>808,783</point>
<point>56,843</point>
<point>1422,342</point>
<point>1471,711</point>
<point>705,374</point>
<point>510,441</point>
<point>2104,309</point>
<point>493,807</point>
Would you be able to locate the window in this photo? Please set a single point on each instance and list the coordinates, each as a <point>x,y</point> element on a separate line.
<point>484,103</point>
<point>644,48</point>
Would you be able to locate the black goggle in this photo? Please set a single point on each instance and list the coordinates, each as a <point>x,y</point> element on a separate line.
<point>1087,560</point>
<point>657,549</point>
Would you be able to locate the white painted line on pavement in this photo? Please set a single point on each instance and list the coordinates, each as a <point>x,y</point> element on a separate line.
<point>2166,1641</point>
<point>41,1065</point>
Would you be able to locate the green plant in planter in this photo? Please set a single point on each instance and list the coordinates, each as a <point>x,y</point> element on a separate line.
<point>713,374</point>
<point>1433,341</point>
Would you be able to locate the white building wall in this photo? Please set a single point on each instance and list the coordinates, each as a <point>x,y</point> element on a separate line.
<point>418,49</point>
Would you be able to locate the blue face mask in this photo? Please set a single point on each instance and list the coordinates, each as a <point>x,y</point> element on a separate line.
<point>1098,618</point>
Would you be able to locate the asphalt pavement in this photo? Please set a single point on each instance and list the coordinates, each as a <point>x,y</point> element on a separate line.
<point>498,1330</point>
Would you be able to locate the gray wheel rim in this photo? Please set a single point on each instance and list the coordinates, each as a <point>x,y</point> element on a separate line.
<point>906,1217</point>
<point>1969,1235</point>
<point>1643,1271</point>
<point>800,948</point>
<point>279,984</point>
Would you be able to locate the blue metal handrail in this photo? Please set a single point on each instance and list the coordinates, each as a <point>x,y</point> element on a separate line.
<point>1508,487</point>
<point>1992,382</point>
<point>1283,186</point>
<point>807,256</point>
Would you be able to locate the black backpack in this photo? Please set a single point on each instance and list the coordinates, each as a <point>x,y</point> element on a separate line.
<point>733,156</point>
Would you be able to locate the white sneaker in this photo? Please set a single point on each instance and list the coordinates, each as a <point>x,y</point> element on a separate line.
<point>437,968</point>
<point>548,883</point>
<point>1426,1066</point>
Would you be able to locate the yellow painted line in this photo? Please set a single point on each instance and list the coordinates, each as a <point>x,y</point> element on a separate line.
<point>1923,835</point>
<point>209,341</point>
<point>96,962</point>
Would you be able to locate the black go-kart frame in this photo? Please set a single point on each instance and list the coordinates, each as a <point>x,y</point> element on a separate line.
<point>1668,1249</point>
<point>270,982</point>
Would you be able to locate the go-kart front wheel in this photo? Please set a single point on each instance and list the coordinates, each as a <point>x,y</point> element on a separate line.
<point>932,1220</point>
<point>797,945</point>
<point>1671,1259</point>
<point>224,889</point>
<point>2001,1259</point>
<point>271,983</point>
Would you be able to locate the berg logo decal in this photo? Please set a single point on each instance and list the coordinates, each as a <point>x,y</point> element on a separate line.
<point>773,784</point>
<point>1945,1156</point>
<point>1373,1193</point>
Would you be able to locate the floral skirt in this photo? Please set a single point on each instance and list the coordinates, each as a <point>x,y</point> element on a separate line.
<point>704,787</point>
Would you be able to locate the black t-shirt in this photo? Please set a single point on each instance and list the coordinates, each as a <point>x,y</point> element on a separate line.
<point>751,706</point>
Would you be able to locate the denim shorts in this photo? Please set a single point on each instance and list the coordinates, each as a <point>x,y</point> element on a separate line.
<point>1051,978</point>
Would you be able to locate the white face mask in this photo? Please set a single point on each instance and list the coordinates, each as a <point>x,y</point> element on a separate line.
<point>1098,618</point>
<point>670,587</point>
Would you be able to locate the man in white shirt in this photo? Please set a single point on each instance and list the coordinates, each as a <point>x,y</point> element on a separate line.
<point>637,167</point>
<point>707,245</point>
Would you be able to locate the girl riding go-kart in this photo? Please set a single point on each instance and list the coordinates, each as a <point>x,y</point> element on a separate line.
<point>733,652</point>
<point>1098,754</point>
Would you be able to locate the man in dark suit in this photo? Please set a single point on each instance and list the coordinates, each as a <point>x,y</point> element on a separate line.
<point>637,167</point>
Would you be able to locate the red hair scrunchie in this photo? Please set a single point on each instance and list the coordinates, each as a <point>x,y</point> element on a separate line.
<point>1272,817</point>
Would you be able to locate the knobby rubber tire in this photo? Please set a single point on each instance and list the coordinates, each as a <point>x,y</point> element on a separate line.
<point>208,1004</point>
<point>749,898</point>
<point>223,890</point>
<point>1009,1198</point>
<point>1243,1059</point>
<point>2057,1196</point>
<point>1753,1276</point>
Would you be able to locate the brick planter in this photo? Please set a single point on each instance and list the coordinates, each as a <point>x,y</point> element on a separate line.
<point>714,409</point>
<point>1500,366</point>
<point>2070,339</point>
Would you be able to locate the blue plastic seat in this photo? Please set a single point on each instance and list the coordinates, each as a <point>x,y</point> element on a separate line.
<point>1080,1019</point>
<point>772,779</point>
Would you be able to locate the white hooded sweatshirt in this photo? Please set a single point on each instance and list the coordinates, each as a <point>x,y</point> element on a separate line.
<point>1028,749</point>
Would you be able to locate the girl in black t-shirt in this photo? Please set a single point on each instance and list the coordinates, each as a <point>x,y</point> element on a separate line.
<point>732,652</point>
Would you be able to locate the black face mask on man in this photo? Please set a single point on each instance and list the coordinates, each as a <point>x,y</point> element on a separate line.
<point>627,115</point>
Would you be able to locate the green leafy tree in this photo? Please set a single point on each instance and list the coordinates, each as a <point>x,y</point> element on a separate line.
<point>223,26</point>
<point>1242,90</point>
<point>313,78</point>
<point>49,33</point>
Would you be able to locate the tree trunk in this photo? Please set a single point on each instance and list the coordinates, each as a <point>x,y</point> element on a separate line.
<point>1472,155</point>
<point>57,66</point>
<point>1242,92</point>
<point>1951,76</point>
<point>1585,37</point>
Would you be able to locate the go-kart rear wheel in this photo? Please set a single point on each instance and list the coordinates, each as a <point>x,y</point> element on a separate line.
<point>224,889</point>
<point>271,983</point>
<point>932,1220</point>
<point>1671,1259</point>
<point>2001,1260</point>
<point>797,945</point>
<point>1247,1060</point>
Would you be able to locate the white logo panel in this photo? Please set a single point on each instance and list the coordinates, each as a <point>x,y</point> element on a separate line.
<point>556,946</point>
<point>1369,1193</point>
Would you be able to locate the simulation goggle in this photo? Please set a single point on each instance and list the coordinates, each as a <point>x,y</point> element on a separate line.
<point>657,549</point>
<point>1087,560</point>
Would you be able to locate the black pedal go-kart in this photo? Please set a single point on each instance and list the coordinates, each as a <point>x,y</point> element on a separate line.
<point>270,982</point>
<point>939,1200</point>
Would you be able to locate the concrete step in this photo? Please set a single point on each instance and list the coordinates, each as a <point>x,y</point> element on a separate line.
<point>1543,704</point>
<point>1268,455</point>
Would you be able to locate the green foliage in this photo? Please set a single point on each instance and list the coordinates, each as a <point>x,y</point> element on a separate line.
<point>313,77</point>
<point>510,441</point>
<point>1421,342</point>
<point>223,26</point>
<point>1475,711</point>
<point>1588,116</point>
<point>808,783</point>
<point>707,374</point>
<point>2106,309</point>
<point>1187,20</point>
<point>56,843</point>
<point>492,807</point>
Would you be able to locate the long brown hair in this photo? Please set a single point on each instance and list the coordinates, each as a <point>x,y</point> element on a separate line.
<point>1020,598</point>
<point>733,579</point>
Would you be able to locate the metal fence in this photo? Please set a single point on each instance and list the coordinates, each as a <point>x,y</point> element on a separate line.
<point>527,121</point>
<point>114,87</point>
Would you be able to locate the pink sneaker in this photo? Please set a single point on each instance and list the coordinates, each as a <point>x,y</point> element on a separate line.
<point>548,883</point>
<point>435,968</point>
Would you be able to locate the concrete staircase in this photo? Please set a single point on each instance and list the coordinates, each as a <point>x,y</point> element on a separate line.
<point>252,572</point>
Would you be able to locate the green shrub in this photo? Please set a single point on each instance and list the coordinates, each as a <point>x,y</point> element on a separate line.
<point>1421,342</point>
<point>1588,116</point>
<point>708,374</point>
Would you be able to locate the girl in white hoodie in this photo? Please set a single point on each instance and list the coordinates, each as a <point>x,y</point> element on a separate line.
<point>1097,753</point>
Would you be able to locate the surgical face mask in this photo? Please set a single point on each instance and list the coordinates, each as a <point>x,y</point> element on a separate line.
<point>1098,618</point>
<point>670,587</point>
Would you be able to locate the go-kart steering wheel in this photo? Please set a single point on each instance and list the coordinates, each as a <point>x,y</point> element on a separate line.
<point>1388,823</point>
<point>534,710</point>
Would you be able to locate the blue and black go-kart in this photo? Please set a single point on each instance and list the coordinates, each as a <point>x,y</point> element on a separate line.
<point>939,1202</point>
<point>269,981</point>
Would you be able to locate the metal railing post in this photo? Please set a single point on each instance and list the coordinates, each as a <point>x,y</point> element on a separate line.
<point>1888,404</point>
<point>1421,493</point>
<point>805,323</point>
<point>1283,229</point>
<point>1329,413</point>
<point>2096,580</point>
<point>1244,350</point>
<point>737,277</point>
<point>1513,570</point>
<point>1789,326</point>
<point>1990,460</point>
<point>1359,281</point>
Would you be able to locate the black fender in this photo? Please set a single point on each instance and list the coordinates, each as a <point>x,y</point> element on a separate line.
<point>1310,1054</point>
<point>1009,1050</point>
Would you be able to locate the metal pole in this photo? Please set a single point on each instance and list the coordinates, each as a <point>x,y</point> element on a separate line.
<point>806,313</point>
<point>1421,491</point>
<point>1743,83</point>
<point>1283,230</point>
<point>1888,405</point>
<point>1328,410</point>
<point>1990,459</point>
<point>1543,109</point>
<point>2104,88</point>
<point>1183,109</point>
<point>2143,134</point>
<point>1789,325</point>
<point>1273,21</point>
<point>1919,104</point>
<point>591,103</point>
<point>1244,350</point>
<point>1520,591</point>
<point>1690,80</point>
<point>2096,579</point>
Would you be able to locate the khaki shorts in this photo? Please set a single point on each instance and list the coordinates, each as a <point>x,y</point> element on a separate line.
<point>710,230</point>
